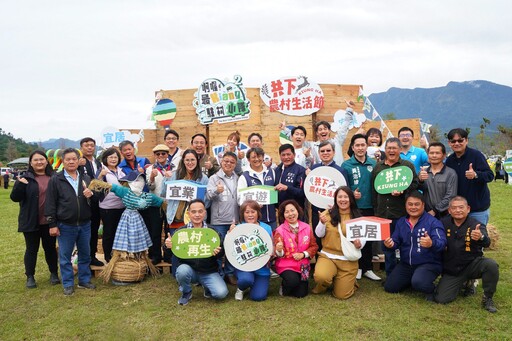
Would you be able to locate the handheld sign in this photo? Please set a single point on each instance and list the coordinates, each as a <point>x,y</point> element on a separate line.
<point>195,243</point>
<point>369,228</point>
<point>320,185</point>
<point>248,247</point>
<point>184,190</point>
<point>393,179</point>
<point>264,195</point>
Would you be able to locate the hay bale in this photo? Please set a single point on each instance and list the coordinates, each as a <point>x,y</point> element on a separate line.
<point>493,233</point>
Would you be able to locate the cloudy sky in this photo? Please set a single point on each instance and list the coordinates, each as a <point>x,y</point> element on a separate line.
<point>71,68</point>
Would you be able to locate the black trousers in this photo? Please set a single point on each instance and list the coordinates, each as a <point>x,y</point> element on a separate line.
<point>32,247</point>
<point>155,225</point>
<point>293,285</point>
<point>485,268</point>
<point>95,225</point>
<point>110,220</point>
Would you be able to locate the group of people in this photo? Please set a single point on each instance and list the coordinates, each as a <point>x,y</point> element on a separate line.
<point>438,223</point>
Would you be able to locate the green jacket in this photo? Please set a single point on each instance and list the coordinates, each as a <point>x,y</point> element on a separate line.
<point>360,176</point>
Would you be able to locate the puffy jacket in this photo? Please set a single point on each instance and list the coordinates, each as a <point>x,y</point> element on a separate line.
<point>304,240</point>
<point>407,240</point>
<point>62,203</point>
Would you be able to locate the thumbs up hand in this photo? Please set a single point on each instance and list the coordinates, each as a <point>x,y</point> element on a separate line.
<point>220,187</point>
<point>323,216</point>
<point>470,173</point>
<point>476,234</point>
<point>282,125</point>
<point>425,241</point>
<point>357,194</point>
<point>423,175</point>
<point>168,242</point>
<point>279,245</point>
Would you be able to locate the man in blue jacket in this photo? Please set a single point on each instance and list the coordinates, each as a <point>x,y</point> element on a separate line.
<point>473,174</point>
<point>290,176</point>
<point>421,240</point>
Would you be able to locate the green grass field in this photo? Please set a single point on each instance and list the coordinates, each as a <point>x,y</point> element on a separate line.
<point>149,310</point>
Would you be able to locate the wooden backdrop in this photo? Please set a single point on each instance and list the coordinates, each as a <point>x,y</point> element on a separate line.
<point>261,120</point>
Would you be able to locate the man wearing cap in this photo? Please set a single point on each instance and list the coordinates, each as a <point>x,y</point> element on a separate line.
<point>155,175</point>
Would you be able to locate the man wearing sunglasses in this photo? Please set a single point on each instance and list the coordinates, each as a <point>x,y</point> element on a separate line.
<point>473,173</point>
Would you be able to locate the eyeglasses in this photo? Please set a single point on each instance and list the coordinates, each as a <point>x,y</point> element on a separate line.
<point>161,153</point>
<point>457,141</point>
<point>171,139</point>
<point>326,151</point>
<point>405,135</point>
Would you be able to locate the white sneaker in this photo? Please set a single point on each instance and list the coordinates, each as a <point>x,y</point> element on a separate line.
<point>239,295</point>
<point>273,274</point>
<point>371,275</point>
<point>359,273</point>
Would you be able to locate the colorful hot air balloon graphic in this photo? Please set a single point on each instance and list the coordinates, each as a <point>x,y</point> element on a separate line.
<point>164,112</point>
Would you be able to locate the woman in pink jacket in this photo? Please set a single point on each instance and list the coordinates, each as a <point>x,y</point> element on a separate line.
<point>295,246</point>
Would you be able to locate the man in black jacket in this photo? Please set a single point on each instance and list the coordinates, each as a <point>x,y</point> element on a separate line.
<point>198,270</point>
<point>69,217</point>
<point>463,258</point>
<point>90,166</point>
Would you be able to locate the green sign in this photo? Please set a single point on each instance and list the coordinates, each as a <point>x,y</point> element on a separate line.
<point>194,243</point>
<point>393,179</point>
<point>507,166</point>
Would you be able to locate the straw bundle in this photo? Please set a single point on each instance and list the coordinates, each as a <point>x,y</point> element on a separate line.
<point>128,267</point>
<point>492,231</point>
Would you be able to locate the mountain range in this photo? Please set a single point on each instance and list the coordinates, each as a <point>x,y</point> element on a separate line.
<point>458,104</point>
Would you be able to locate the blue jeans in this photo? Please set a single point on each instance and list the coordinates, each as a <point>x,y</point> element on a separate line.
<point>228,268</point>
<point>212,282</point>
<point>69,235</point>
<point>482,216</point>
<point>258,284</point>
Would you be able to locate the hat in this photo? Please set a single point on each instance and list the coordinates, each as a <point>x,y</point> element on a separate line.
<point>132,176</point>
<point>161,148</point>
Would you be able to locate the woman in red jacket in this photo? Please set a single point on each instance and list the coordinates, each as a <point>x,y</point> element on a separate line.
<point>295,246</point>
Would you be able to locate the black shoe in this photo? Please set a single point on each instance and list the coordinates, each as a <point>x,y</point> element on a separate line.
<point>96,262</point>
<point>86,285</point>
<point>469,288</point>
<point>54,279</point>
<point>31,282</point>
<point>488,304</point>
<point>68,291</point>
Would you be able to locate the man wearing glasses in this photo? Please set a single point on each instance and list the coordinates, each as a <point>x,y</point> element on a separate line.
<point>473,173</point>
<point>171,140</point>
<point>417,156</point>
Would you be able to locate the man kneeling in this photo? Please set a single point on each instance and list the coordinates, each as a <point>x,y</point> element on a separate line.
<point>421,240</point>
<point>463,258</point>
<point>200,270</point>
